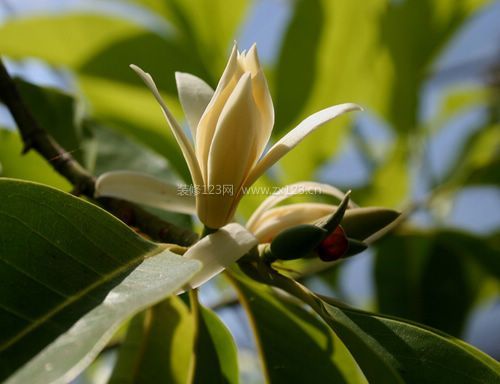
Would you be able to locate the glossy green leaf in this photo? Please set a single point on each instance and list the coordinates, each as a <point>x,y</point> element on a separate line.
<point>70,274</point>
<point>215,352</point>
<point>391,350</point>
<point>295,346</point>
<point>158,346</point>
<point>419,355</point>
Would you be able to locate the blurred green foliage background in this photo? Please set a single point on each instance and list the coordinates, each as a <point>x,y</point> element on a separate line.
<point>426,71</point>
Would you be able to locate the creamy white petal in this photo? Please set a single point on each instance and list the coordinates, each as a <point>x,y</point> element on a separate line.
<point>262,98</point>
<point>182,140</point>
<point>294,137</point>
<point>251,60</point>
<point>304,187</point>
<point>195,95</point>
<point>218,250</point>
<point>144,189</point>
<point>208,121</point>
<point>232,153</point>
<point>280,218</point>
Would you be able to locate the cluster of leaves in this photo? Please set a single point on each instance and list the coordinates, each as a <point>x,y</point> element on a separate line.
<point>83,273</point>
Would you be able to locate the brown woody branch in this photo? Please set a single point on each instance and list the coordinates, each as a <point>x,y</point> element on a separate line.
<point>37,138</point>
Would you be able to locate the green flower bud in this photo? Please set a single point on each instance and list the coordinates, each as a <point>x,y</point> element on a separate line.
<point>360,223</point>
<point>296,242</point>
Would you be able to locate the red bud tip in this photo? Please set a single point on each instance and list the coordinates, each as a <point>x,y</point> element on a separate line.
<point>334,246</point>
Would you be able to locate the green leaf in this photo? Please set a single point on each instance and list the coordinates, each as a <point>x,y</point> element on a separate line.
<point>158,55</point>
<point>132,111</point>
<point>419,354</point>
<point>30,166</point>
<point>216,353</point>
<point>100,48</point>
<point>70,274</point>
<point>483,250</point>
<point>295,346</point>
<point>111,151</point>
<point>84,35</point>
<point>478,159</point>
<point>391,350</point>
<point>299,50</point>
<point>207,38</point>
<point>57,113</point>
<point>390,181</point>
<point>433,277</point>
<point>158,346</point>
<point>379,62</point>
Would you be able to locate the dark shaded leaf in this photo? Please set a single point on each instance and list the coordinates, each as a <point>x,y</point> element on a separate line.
<point>60,258</point>
<point>432,277</point>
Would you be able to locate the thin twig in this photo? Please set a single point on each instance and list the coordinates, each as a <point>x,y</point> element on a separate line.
<point>37,138</point>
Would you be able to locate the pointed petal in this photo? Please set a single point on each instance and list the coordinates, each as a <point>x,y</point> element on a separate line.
<point>305,187</point>
<point>219,250</point>
<point>232,153</point>
<point>251,59</point>
<point>262,97</point>
<point>275,220</point>
<point>182,140</point>
<point>208,121</point>
<point>194,95</point>
<point>144,189</point>
<point>294,137</point>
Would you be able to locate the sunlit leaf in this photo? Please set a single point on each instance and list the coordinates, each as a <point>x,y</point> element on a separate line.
<point>84,35</point>
<point>30,166</point>
<point>215,352</point>
<point>206,38</point>
<point>158,346</point>
<point>299,50</point>
<point>294,345</point>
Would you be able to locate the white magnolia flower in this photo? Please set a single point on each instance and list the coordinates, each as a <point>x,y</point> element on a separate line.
<point>231,128</point>
<point>361,223</point>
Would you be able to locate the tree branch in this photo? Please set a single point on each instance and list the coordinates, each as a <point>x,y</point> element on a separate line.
<point>36,137</point>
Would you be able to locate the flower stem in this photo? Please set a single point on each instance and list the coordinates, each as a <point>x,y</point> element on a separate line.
<point>207,231</point>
